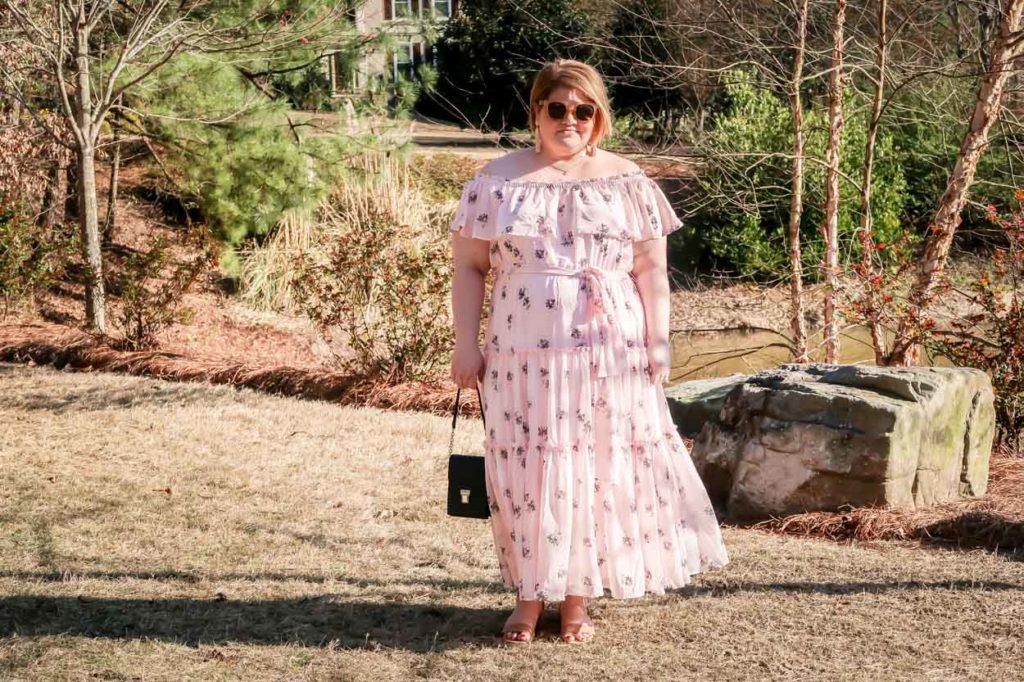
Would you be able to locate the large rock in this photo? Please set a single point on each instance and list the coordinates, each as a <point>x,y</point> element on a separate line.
<point>817,437</point>
<point>694,403</point>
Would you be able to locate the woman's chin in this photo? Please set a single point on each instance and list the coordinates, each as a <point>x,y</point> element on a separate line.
<point>567,143</point>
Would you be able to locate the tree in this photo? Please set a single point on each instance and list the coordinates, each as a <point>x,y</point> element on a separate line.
<point>867,243</point>
<point>830,228</point>
<point>796,208</point>
<point>489,52</point>
<point>640,44</point>
<point>1005,49</point>
<point>84,55</point>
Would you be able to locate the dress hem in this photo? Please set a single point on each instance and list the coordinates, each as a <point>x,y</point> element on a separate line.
<point>609,593</point>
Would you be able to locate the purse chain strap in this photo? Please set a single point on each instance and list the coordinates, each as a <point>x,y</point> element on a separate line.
<point>455,416</point>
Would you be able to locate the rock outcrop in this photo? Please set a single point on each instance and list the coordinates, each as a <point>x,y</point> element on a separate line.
<point>818,437</point>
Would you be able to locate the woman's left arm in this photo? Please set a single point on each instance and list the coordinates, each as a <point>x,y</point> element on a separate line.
<point>651,275</point>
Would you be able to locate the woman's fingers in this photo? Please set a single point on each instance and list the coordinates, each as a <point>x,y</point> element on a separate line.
<point>466,380</point>
<point>467,368</point>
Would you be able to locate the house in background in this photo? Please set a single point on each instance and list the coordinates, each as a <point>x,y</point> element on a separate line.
<point>401,18</point>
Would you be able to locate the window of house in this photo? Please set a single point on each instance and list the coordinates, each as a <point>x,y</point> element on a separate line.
<point>442,9</point>
<point>345,74</point>
<point>401,8</point>
<point>402,61</point>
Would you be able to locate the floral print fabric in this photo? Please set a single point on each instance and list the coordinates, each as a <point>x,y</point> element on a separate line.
<point>590,486</point>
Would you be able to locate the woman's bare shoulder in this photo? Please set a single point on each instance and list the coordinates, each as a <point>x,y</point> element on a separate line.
<point>523,162</point>
<point>510,165</point>
<point>613,164</point>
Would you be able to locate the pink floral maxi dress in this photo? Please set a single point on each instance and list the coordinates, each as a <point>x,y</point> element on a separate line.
<point>590,486</point>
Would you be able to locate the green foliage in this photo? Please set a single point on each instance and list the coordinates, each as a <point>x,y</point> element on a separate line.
<point>231,145</point>
<point>745,190</point>
<point>308,89</point>
<point>490,51</point>
<point>928,142</point>
<point>32,258</point>
<point>404,93</point>
<point>625,126</point>
<point>250,176</point>
<point>238,154</point>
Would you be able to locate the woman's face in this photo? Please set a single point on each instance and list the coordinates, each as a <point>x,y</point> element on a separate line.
<point>567,135</point>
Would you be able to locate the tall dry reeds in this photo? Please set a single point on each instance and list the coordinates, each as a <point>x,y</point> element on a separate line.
<point>267,270</point>
<point>371,270</point>
<point>378,183</point>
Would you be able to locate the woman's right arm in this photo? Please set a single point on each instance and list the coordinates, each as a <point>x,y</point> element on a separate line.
<point>471,264</point>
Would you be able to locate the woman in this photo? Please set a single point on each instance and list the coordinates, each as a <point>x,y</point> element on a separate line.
<point>589,484</point>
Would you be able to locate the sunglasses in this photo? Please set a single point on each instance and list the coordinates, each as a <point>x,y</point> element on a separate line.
<point>582,112</point>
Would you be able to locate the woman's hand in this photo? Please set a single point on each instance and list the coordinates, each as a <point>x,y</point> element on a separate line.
<point>467,365</point>
<point>659,357</point>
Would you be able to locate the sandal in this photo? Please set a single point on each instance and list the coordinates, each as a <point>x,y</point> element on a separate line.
<point>577,632</point>
<point>511,631</point>
<point>584,633</point>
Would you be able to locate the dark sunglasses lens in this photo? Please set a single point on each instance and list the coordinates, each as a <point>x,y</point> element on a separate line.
<point>584,112</point>
<point>556,110</point>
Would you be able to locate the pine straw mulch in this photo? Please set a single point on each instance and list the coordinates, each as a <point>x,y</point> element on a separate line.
<point>994,521</point>
<point>70,349</point>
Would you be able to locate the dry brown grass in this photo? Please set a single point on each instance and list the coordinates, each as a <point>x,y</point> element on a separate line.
<point>169,531</point>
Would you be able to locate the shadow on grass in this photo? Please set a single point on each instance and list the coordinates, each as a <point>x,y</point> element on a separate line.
<point>191,577</point>
<point>977,530</point>
<point>98,398</point>
<point>312,621</point>
<point>326,620</point>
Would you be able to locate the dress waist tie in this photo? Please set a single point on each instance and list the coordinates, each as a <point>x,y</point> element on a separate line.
<point>608,349</point>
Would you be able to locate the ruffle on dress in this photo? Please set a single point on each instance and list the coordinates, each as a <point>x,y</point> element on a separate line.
<point>629,206</point>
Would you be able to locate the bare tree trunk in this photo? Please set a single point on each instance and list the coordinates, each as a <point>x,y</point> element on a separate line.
<point>867,242</point>
<point>905,349</point>
<point>95,311</point>
<point>110,222</point>
<point>831,226</point>
<point>796,309</point>
<point>88,213</point>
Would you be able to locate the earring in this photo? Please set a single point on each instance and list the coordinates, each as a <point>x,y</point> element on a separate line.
<point>591,149</point>
<point>536,142</point>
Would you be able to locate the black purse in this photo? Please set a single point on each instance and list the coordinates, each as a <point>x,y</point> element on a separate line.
<point>467,485</point>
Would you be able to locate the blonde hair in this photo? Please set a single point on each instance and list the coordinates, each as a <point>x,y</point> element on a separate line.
<point>573,74</point>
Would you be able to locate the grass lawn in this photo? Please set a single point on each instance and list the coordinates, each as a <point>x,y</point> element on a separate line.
<point>164,531</point>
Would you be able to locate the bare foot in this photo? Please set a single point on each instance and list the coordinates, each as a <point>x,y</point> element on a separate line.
<point>576,624</point>
<point>522,624</point>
